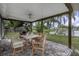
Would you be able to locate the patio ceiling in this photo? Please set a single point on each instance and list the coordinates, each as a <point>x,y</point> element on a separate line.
<point>75,6</point>
<point>31,11</point>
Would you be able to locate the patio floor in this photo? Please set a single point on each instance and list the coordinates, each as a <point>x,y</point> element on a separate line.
<point>51,49</point>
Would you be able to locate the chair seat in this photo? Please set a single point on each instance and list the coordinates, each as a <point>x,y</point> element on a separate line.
<point>37,48</point>
<point>17,44</point>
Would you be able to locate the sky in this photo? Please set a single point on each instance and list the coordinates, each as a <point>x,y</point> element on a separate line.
<point>74,22</point>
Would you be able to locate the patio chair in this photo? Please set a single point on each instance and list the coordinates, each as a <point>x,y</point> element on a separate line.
<point>27,43</point>
<point>17,46</point>
<point>39,45</point>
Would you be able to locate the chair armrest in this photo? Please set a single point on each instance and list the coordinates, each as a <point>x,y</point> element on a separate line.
<point>35,42</point>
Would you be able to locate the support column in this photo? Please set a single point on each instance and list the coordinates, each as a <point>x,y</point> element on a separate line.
<point>42,26</point>
<point>31,26</point>
<point>69,32</point>
<point>0,28</point>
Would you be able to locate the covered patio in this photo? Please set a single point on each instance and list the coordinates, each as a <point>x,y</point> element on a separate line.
<point>28,14</point>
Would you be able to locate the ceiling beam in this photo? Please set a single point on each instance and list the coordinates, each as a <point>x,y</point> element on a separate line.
<point>69,6</point>
<point>45,18</point>
<point>15,20</point>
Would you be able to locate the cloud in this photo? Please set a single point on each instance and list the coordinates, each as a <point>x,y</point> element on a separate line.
<point>74,22</point>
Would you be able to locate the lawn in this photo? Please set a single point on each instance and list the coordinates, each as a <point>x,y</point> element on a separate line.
<point>12,35</point>
<point>64,40</point>
<point>58,39</point>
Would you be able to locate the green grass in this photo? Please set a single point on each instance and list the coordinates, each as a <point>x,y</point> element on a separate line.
<point>14,36</point>
<point>58,39</point>
<point>75,42</point>
<point>64,40</point>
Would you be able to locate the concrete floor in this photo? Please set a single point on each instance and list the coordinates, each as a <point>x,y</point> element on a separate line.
<point>51,49</point>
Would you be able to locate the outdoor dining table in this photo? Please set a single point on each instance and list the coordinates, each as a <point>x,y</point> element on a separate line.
<point>30,36</point>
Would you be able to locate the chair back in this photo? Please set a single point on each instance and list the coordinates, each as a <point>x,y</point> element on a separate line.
<point>44,41</point>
